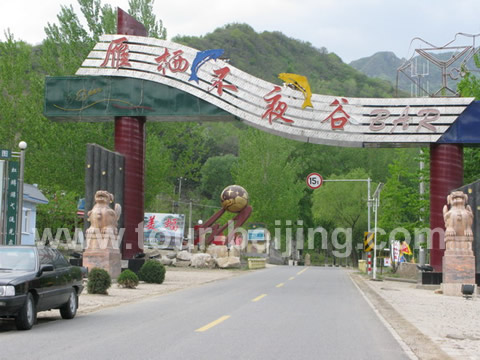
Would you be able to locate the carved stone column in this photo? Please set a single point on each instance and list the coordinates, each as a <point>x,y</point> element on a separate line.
<point>458,261</point>
<point>103,245</point>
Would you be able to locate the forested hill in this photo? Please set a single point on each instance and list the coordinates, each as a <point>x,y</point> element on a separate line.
<point>381,65</point>
<point>385,64</point>
<point>267,54</point>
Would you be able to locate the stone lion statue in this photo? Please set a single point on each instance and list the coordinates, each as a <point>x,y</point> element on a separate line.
<point>459,219</point>
<point>103,221</point>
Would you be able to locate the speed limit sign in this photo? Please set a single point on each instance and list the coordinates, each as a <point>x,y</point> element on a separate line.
<point>314,180</point>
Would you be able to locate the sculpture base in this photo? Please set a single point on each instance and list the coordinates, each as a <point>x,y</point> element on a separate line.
<point>107,259</point>
<point>457,270</point>
<point>455,289</point>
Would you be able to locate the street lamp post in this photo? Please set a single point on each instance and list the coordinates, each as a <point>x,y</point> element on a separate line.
<point>22,145</point>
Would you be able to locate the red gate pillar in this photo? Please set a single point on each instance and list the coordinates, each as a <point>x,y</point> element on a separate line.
<point>130,141</point>
<point>446,174</point>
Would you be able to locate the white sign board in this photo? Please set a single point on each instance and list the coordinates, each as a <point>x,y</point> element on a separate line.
<point>291,110</point>
<point>163,230</point>
<point>256,235</point>
<point>396,251</point>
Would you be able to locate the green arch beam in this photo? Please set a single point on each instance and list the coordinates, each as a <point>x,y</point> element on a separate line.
<point>101,98</point>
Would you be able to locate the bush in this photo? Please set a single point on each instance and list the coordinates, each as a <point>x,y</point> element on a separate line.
<point>128,279</point>
<point>317,259</point>
<point>99,281</point>
<point>152,272</point>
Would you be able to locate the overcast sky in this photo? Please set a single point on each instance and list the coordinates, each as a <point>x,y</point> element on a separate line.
<point>350,28</point>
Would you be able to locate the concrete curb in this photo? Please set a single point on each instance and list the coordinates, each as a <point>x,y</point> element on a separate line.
<point>421,345</point>
<point>411,281</point>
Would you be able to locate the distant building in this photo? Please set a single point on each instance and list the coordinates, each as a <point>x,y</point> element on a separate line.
<point>32,196</point>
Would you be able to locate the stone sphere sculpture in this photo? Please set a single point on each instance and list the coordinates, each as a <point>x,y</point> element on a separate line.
<point>234,198</point>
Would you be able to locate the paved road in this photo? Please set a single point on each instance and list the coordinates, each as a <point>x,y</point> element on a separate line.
<point>277,313</point>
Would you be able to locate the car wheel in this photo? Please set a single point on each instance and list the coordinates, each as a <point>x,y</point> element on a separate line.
<point>27,315</point>
<point>69,309</point>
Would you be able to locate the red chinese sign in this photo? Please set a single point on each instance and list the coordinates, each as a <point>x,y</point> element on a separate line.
<point>151,223</point>
<point>176,63</point>
<point>118,52</point>
<point>171,224</point>
<point>118,55</point>
<point>338,118</point>
<point>276,108</point>
<point>220,75</point>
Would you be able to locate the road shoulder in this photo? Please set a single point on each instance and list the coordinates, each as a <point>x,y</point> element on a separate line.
<point>175,279</point>
<point>420,344</point>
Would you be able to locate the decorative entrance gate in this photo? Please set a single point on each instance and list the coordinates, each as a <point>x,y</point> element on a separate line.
<point>132,79</point>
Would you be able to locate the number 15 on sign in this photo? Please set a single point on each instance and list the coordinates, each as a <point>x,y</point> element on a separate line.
<point>314,180</point>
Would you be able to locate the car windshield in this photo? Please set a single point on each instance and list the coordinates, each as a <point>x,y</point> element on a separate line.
<point>19,259</point>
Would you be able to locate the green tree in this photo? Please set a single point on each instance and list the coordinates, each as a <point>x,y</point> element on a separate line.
<point>471,161</point>
<point>269,174</point>
<point>343,205</point>
<point>267,54</point>
<point>186,143</point>
<point>402,206</point>
<point>469,86</point>
<point>69,42</point>
<point>158,164</point>
<point>101,19</point>
<point>142,10</point>
<point>55,156</point>
<point>59,213</point>
<point>216,175</point>
<point>16,81</point>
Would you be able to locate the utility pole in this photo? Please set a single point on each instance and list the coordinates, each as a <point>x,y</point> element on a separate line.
<point>376,198</point>
<point>176,204</point>
<point>180,188</point>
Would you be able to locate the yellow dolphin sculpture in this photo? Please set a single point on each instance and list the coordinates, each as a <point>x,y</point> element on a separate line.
<point>299,82</point>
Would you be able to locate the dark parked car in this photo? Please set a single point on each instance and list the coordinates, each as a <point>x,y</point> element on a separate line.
<point>36,279</point>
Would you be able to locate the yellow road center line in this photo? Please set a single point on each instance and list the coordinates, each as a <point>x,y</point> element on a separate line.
<point>259,297</point>
<point>291,278</point>
<point>280,285</point>
<point>213,323</point>
<point>301,272</point>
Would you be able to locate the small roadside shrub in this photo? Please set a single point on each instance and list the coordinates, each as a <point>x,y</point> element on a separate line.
<point>99,281</point>
<point>152,272</point>
<point>128,279</point>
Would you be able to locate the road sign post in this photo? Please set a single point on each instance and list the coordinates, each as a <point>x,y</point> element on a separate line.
<point>314,180</point>
<point>368,241</point>
<point>368,246</point>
